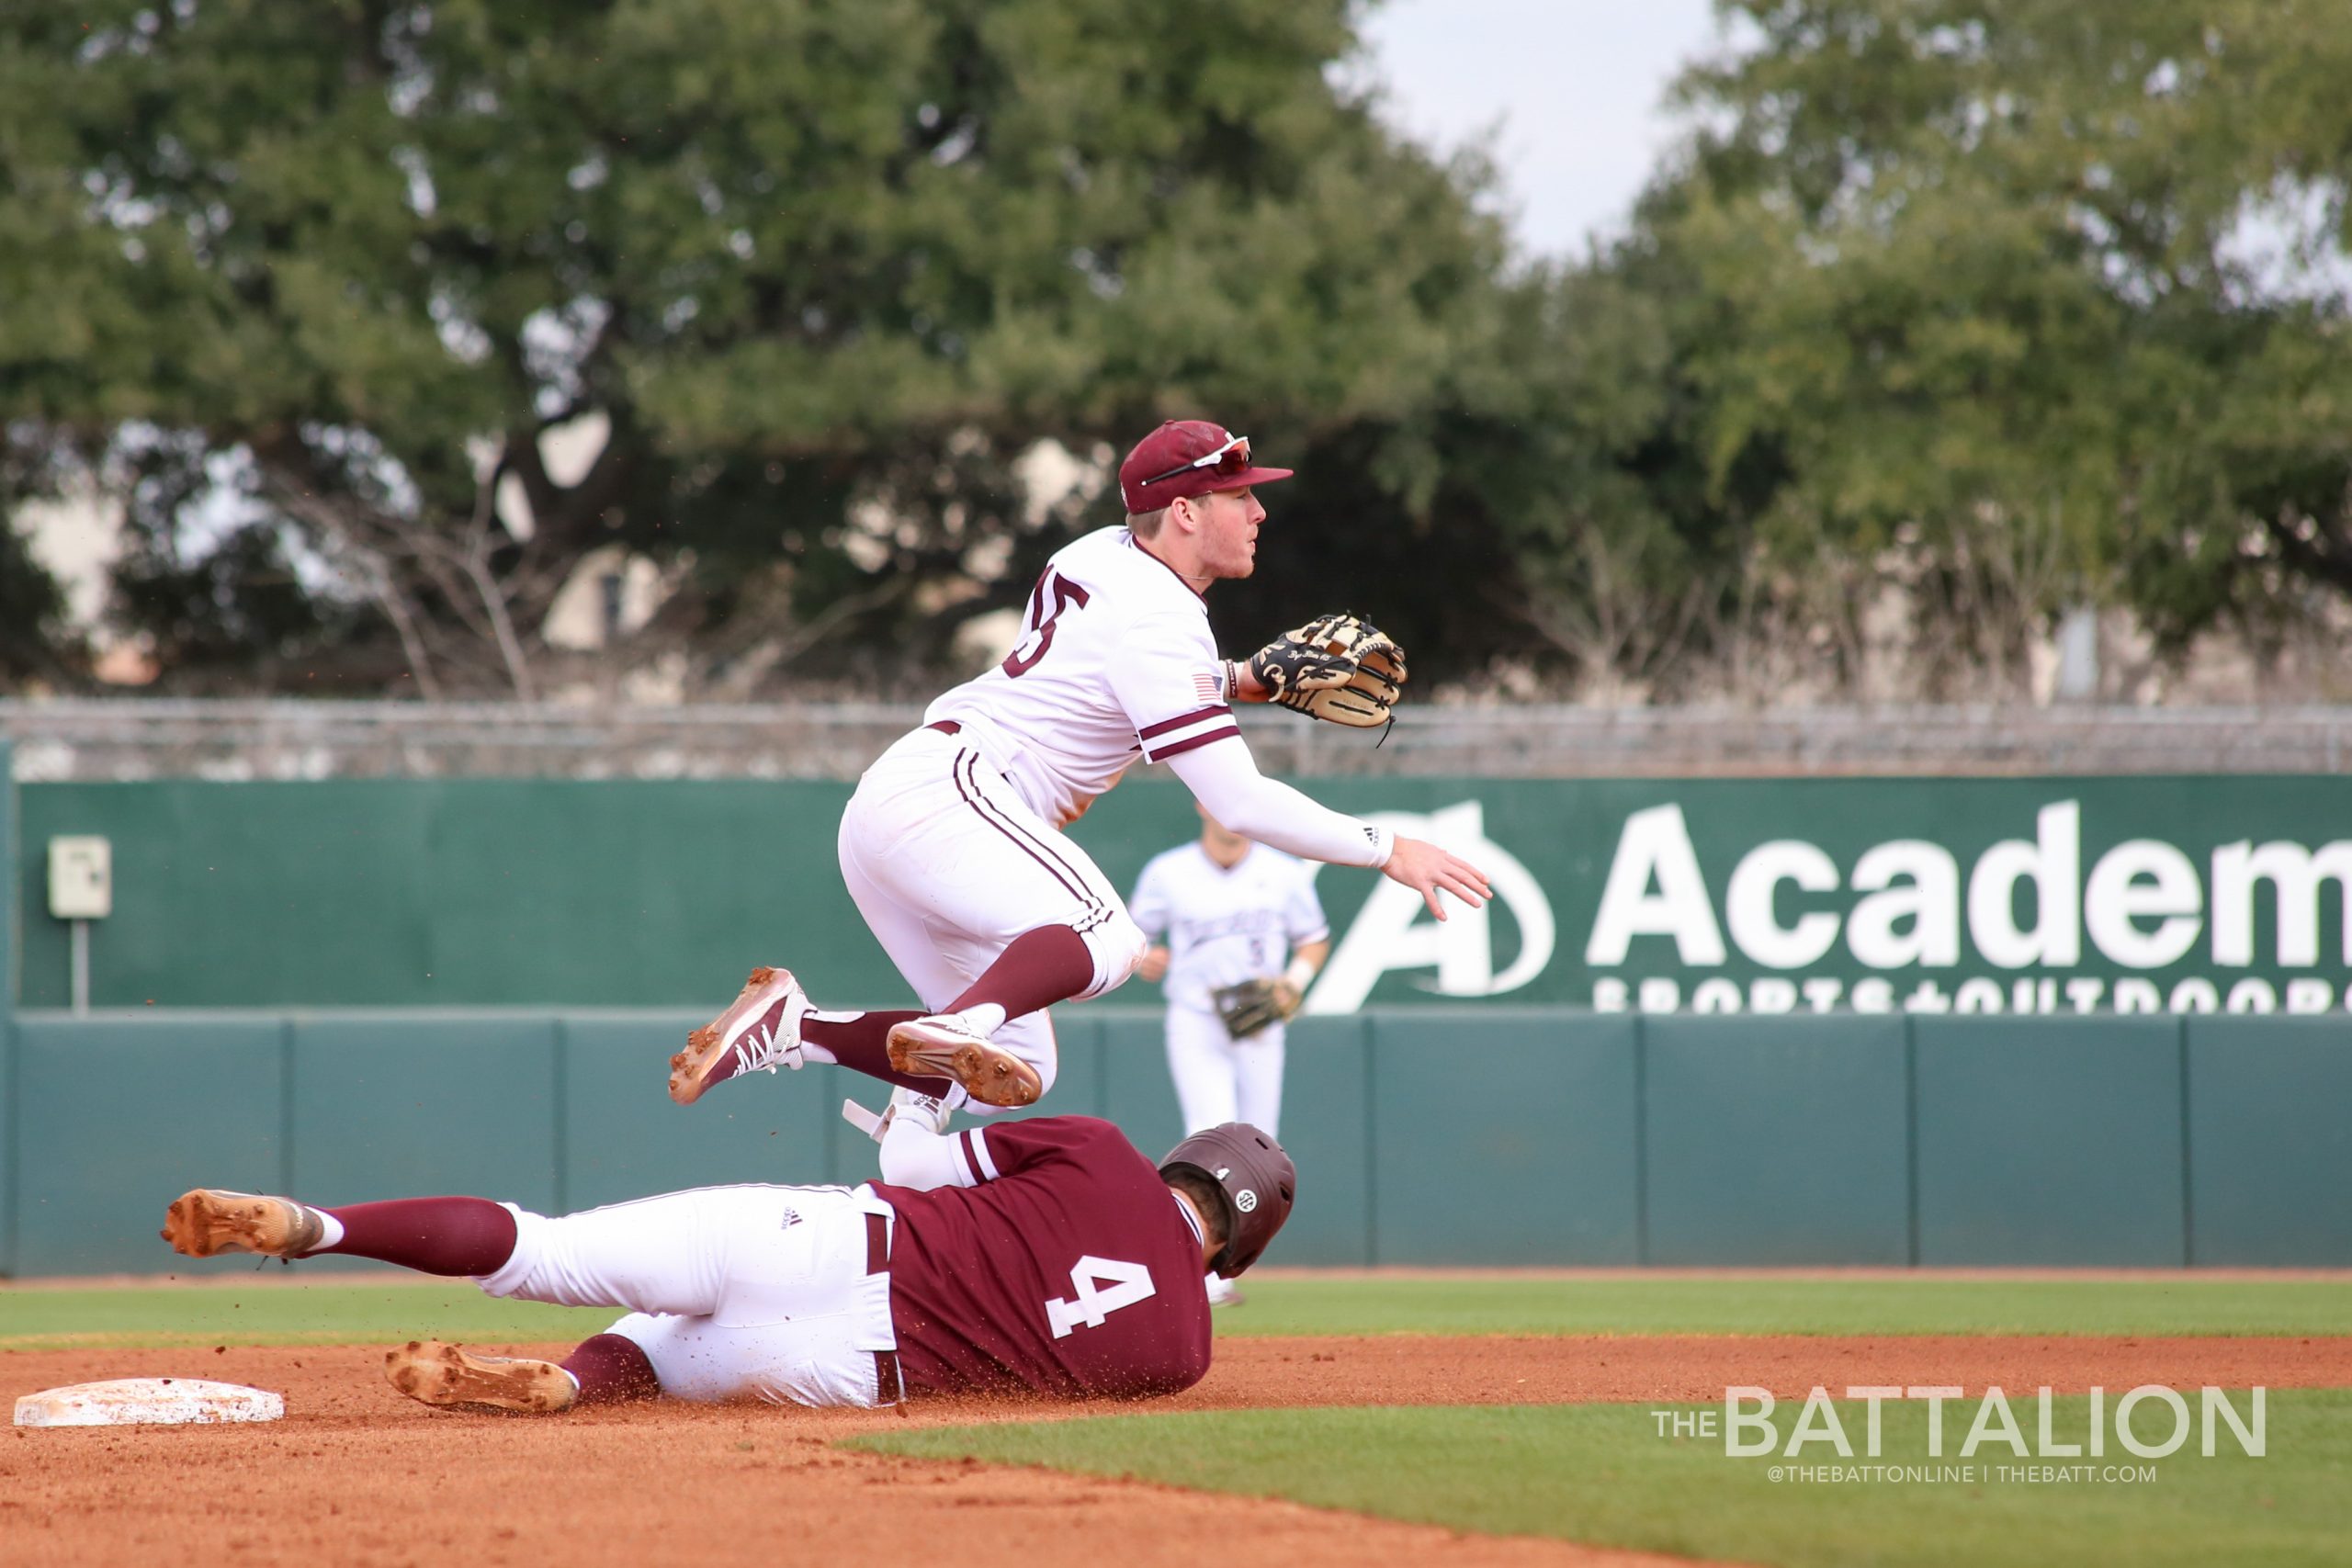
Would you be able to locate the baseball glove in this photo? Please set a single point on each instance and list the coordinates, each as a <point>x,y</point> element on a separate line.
<point>1254,1004</point>
<point>1340,668</point>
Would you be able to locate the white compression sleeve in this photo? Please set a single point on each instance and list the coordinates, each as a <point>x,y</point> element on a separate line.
<point>1224,777</point>
<point>914,1157</point>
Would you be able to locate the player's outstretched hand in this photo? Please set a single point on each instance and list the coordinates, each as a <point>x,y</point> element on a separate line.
<point>1425,868</point>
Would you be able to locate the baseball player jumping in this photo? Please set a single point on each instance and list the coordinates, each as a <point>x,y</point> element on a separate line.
<point>1046,1257</point>
<point>953,844</point>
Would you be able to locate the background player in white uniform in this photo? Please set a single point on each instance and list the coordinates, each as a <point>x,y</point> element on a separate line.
<point>1230,912</point>
<point>952,845</point>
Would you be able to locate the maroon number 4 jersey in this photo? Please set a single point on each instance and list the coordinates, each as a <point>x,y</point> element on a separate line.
<point>1057,1262</point>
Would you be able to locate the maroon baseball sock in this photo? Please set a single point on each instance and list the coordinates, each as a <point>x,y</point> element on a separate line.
<point>432,1235</point>
<point>610,1367</point>
<point>1037,969</point>
<point>860,1042</point>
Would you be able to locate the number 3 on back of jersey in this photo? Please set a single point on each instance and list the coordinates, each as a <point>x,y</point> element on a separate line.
<point>1090,1300</point>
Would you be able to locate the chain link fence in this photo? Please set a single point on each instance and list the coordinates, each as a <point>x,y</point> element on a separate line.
<point>138,738</point>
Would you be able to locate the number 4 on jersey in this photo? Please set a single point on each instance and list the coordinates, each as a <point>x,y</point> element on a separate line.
<point>1090,1303</point>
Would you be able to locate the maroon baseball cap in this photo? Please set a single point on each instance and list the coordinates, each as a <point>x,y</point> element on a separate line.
<point>1188,456</point>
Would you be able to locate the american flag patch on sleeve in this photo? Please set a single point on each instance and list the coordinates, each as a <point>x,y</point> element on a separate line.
<point>1205,687</point>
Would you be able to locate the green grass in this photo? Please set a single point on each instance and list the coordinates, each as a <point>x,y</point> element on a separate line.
<point>330,1310</point>
<point>1598,1473</point>
<point>322,1314</point>
<point>1602,1475</point>
<point>1923,1303</point>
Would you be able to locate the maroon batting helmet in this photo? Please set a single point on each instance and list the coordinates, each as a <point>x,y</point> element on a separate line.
<point>1254,1176</point>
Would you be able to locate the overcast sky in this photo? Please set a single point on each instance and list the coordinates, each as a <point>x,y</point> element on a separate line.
<point>1570,91</point>
<point>1574,86</point>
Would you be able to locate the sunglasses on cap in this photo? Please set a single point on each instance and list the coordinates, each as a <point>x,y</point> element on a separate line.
<point>1233,458</point>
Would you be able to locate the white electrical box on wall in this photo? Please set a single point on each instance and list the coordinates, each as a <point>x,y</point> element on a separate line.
<point>81,878</point>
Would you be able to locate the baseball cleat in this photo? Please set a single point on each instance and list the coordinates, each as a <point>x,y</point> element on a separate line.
<point>942,1048</point>
<point>436,1373</point>
<point>211,1221</point>
<point>759,1029</point>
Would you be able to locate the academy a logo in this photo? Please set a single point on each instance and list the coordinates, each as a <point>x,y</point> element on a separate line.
<point>1393,930</point>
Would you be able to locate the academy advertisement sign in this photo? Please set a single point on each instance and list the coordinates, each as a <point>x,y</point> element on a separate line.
<point>1940,895</point>
<point>2142,895</point>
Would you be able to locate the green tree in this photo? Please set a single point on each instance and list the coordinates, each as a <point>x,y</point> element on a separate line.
<point>1991,283</point>
<point>824,269</point>
<point>34,643</point>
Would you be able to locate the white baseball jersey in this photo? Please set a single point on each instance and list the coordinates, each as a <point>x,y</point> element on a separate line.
<point>1115,661</point>
<point>1226,925</point>
<point>952,844</point>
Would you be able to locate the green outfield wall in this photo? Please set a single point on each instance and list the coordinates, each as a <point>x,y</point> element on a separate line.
<point>1940,1022</point>
<point>1423,1136</point>
<point>2139,896</point>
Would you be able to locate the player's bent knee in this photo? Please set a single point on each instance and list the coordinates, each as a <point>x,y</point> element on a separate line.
<point>1118,945</point>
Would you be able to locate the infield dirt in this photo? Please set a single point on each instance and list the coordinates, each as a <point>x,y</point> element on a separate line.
<point>358,1474</point>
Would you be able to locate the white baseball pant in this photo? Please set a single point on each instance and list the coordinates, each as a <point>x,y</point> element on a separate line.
<point>948,866</point>
<point>1221,1079</point>
<point>734,1291</point>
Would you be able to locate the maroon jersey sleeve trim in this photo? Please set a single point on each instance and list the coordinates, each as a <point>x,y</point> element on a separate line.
<point>1228,732</point>
<point>972,1149</point>
<point>1165,724</point>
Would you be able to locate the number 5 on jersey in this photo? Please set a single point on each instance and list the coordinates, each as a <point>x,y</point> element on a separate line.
<point>1063,594</point>
<point>1090,1303</point>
